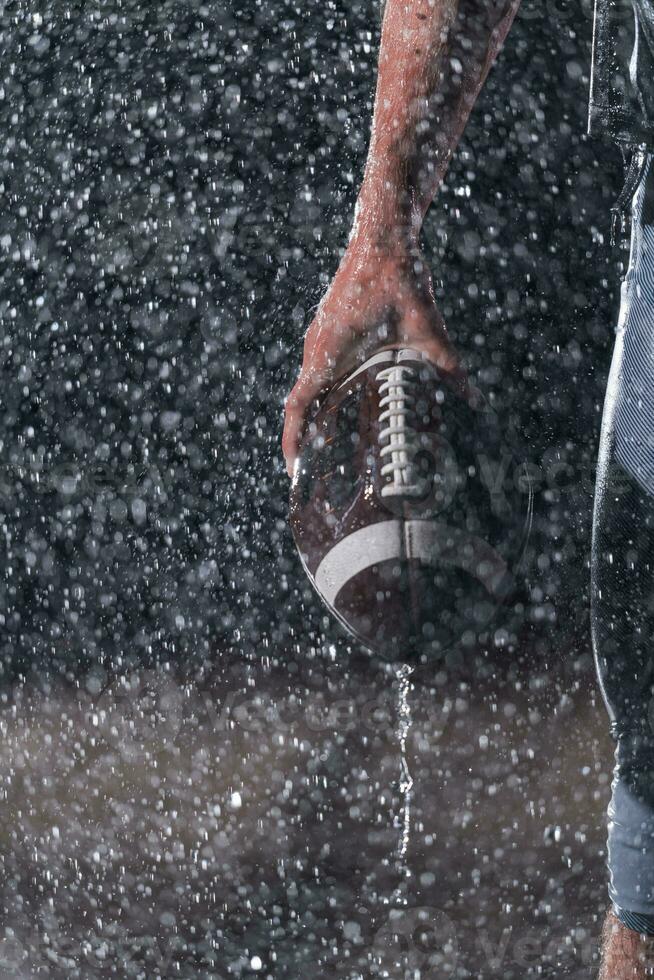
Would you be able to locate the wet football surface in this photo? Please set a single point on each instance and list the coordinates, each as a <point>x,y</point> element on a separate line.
<point>260,822</point>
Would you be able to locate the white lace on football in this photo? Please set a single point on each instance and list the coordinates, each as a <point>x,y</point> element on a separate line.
<point>399,438</point>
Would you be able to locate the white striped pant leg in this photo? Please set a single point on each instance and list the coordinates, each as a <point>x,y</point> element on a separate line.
<point>622,587</point>
<point>634,377</point>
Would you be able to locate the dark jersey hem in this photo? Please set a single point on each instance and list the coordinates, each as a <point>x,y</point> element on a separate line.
<point>621,104</point>
<point>621,126</point>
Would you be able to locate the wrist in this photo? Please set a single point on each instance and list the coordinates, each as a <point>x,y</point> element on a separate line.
<point>386,217</point>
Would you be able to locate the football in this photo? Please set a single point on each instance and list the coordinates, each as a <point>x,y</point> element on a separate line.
<point>408,507</point>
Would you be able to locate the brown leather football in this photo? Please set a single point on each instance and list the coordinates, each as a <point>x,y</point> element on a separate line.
<point>408,508</point>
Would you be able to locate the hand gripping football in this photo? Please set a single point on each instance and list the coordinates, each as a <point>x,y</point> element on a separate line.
<point>408,507</point>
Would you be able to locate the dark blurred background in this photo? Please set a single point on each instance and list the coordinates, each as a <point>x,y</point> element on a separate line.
<point>178,182</point>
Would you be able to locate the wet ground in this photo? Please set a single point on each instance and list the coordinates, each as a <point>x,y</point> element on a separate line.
<point>260,823</point>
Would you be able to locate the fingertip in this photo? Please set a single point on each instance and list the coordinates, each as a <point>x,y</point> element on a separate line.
<point>290,460</point>
<point>290,440</point>
<point>306,389</point>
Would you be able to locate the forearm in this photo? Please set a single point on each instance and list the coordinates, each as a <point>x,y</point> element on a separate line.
<point>434,59</point>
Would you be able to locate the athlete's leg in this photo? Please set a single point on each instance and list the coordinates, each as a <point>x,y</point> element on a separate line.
<point>623,602</point>
<point>626,954</point>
